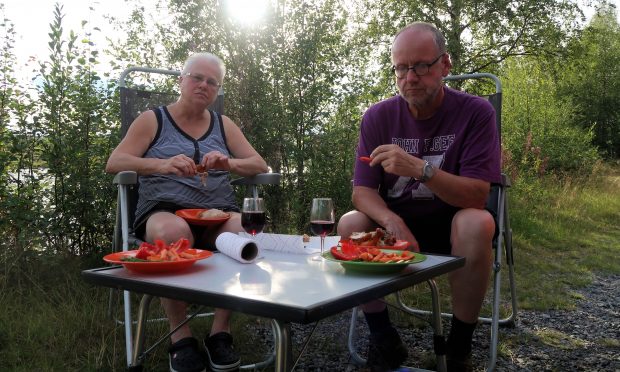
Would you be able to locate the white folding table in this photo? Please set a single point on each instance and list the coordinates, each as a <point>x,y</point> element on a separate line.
<point>288,288</point>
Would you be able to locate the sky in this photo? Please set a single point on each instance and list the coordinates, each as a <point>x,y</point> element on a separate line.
<point>31,19</point>
<point>32,25</point>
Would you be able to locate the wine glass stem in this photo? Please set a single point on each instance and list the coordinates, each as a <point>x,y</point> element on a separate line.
<point>322,243</point>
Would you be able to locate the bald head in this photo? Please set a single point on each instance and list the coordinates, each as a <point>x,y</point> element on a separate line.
<point>422,29</point>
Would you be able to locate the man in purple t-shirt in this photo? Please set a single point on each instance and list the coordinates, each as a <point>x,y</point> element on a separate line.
<point>434,153</point>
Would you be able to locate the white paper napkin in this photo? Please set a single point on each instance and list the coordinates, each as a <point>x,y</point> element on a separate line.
<point>241,249</point>
<point>278,242</point>
<point>291,243</point>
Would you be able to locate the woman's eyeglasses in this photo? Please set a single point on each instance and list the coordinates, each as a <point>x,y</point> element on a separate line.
<point>199,79</point>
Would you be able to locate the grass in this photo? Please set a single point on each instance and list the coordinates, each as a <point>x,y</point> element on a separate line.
<point>566,231</point>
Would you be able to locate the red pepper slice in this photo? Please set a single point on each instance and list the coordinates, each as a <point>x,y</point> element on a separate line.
<point>339,255</point>
<point>365,159</point>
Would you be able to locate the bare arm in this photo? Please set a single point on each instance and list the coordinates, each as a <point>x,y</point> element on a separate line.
<point>128,154</point>
<point>458,191</point>
<point>246,162</point>
<point>369,202</point>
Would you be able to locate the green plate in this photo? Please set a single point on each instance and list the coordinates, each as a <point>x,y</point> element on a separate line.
<point>375,267</point>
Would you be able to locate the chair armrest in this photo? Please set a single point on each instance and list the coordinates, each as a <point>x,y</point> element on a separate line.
<point>126,178</point>
<point>259,179</point>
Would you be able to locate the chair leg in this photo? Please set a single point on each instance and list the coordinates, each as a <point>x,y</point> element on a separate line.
<point>511,267</point>
<point>439,339</point>
<point>128,323</point>
<point>355,357</point>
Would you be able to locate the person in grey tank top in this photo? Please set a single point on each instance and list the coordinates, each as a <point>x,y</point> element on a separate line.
<point>167,147</point>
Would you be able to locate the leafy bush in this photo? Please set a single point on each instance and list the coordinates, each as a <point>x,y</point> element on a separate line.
<point>539,133</point>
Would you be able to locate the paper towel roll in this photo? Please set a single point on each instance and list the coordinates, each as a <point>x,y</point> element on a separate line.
<point>241,249</point>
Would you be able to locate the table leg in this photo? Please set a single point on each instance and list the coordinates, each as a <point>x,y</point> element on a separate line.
<point>437,326</point>
<point>283,346</point>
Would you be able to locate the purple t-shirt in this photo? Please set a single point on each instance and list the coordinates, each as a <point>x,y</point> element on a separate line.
<point>460,138</point>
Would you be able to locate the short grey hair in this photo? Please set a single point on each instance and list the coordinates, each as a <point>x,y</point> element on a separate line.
<point>208,57</point>
<point>440,40</point>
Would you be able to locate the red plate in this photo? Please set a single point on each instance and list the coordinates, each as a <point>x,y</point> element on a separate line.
<point>191,216</point>
<point>156,267</point>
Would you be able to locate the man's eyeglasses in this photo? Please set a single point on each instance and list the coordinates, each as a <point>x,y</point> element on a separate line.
<point>419,69</point>
<point>199,79</point>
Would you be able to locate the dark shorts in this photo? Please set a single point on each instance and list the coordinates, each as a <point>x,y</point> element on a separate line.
<point>140,225</point>
<point>432,233</point>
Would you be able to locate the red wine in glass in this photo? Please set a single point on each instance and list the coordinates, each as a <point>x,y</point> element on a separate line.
<point>321,220</point>
<point>321,228</point>
<point>253,215</point>
<point>253,222</point>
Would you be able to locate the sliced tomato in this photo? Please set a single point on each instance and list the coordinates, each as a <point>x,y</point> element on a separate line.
<point>183,245</point>
<point>145,250</point>
<point>180,245</point>
<point>160,245</point>
<point>347,247</point>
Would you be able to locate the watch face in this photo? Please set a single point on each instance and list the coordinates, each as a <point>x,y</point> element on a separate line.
<point>428,172</point>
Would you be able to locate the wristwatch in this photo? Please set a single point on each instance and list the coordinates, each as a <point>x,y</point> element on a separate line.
<point>427,172</point>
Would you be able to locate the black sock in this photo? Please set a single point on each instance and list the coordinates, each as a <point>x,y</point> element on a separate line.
<point>460,338</point>
<point>378,322</point>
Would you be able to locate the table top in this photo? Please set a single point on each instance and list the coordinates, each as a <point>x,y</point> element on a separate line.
<point>284,286</point>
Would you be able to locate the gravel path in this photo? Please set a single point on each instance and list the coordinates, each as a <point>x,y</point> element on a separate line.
<point>584,339</point>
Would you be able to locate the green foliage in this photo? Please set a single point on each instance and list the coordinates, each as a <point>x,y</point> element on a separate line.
<point>297,85</point>
<point>282,87</point>
<point>591,78</point>
<point>479,34</point>
<point>57,196</point>
<point>538,129</point>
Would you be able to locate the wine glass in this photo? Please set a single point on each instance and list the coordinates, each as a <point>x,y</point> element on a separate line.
<point>253,215</point>
<point>321,220</point>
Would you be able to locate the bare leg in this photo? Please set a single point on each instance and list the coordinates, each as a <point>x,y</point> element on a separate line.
<point>170,228</point>
<point>350,222</point>
<point>221,321</point>
<point>471,237</point>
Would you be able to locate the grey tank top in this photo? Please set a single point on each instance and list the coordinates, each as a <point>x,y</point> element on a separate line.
<point>186,192</point>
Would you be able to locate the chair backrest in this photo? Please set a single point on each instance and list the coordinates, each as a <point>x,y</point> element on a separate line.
<point>495,99</point>
<point>137,100</point>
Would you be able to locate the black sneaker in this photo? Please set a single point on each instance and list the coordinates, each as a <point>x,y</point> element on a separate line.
<point>386,351</point>
<point>183,356</point>
<point>459,363</point>
<point>221,354</point>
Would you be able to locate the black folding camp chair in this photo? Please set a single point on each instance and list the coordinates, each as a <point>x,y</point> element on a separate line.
<point>502,244</point>
<point>134,100</point>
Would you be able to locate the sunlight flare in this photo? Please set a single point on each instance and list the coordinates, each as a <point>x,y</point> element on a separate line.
<point>247,12</point>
